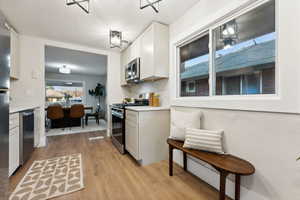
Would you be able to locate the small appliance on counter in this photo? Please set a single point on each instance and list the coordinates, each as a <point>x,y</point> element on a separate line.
<point>128,100</point>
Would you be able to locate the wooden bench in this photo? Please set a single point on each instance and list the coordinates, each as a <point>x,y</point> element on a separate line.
<point>225,164</point>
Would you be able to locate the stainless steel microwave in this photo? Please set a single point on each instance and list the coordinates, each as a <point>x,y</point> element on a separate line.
<point>132,73</point>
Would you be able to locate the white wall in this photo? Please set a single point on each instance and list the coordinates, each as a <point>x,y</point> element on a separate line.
<point>90,82</point>
<point>24,91</point>
<point>270,141</point>
<point>29,90</point>
<point>160,87</point>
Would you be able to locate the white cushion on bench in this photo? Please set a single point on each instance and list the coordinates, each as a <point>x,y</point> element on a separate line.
<point>205,140</point>
<point>181,119</point>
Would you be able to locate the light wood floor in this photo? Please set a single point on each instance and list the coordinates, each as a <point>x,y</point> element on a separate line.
<point>108,175</point>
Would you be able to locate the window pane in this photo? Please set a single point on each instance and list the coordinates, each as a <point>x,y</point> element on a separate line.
<point>230,85</point>
<point>194,68</point>
<point>251,84</point>
<point>61,93</point>
<point>268,81</point>
<point>244,49</point>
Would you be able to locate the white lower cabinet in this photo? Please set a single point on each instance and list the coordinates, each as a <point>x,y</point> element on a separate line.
<point>132,134</point>
<point>146,134</point>
<point>132,143</point>
<point>14,143</point>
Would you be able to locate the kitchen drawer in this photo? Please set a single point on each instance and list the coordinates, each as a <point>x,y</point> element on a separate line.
<point>14,120</point>
<point>132,116</point>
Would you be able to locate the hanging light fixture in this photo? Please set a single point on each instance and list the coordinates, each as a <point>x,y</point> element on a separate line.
<point>150,3</point>
<point>83,4</point>
<point>64,70</point>
<point>116,40</point>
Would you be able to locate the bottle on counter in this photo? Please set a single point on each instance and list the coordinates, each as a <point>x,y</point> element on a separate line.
<point>151,95</point>
<point>156,102</point>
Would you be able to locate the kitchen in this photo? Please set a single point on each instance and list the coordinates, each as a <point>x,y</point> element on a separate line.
<point>144,69</point>
<point>148,79</point>
<point>136,76</point>
<point>195,90</point>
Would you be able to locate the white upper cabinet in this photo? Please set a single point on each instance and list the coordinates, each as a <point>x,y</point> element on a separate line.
<point>128,55</point>
<point>134,50</point>
<point>14,55</point>
<point>124,62</point>
<point>152,47</point>
<point>155,52</point>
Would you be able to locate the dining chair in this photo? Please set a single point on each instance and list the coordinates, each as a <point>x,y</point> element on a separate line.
<point>55,112</point>
<point>77,111</point>
<point>95,115</point>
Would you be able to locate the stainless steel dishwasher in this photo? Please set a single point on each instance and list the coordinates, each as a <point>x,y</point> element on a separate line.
<point>26,135</point>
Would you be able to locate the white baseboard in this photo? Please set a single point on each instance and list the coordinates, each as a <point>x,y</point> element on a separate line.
<point>211,176</point>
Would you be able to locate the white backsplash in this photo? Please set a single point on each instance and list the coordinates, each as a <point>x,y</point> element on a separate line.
<point>160,87</point>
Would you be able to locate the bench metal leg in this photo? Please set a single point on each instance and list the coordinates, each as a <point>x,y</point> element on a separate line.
<point>184,161</point>
<point>223,176</point>
<point>237,186</point>
<point>170,160</point>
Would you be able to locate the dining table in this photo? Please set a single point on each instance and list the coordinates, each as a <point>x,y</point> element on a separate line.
<point>66,122</point>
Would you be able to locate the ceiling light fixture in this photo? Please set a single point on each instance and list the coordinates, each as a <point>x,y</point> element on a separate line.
<point>150,3</point>
<point>115,39</point>
<point>83,4</point>
<point>64,70</point>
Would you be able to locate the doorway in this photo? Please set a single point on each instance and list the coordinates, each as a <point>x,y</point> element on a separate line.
<point>74,78</point>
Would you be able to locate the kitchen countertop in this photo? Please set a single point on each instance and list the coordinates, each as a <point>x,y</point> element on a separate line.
<point>20,109</point>
<point>146,108</point>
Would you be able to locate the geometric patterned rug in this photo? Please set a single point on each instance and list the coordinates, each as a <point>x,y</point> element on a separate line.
<point>51,178</point>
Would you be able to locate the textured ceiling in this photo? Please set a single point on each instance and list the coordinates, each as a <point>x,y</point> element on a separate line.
<point>52,19</point>
<point>79,62</point>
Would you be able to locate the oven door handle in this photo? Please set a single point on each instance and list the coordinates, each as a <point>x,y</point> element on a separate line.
<point>116,114</point>
<point>118,109</point>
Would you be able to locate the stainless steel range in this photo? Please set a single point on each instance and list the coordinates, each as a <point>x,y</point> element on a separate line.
<point>118,123</point>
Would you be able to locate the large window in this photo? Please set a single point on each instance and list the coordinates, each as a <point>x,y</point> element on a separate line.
<point>64,93</point>
<point>243,57</point>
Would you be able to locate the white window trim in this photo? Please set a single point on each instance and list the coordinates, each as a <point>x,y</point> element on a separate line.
<point>261,102</point>
<point>212,75</point>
